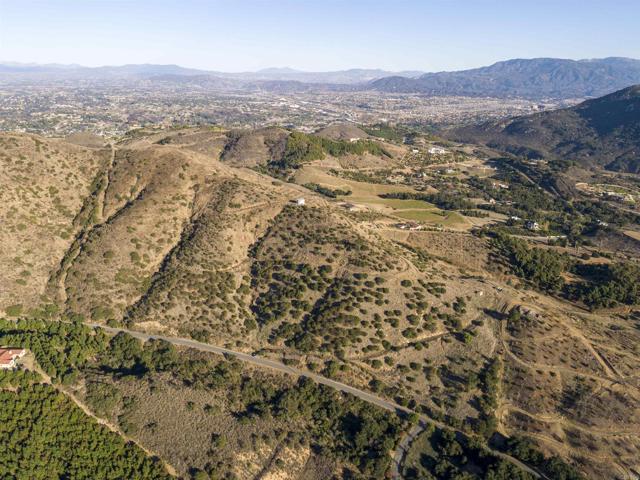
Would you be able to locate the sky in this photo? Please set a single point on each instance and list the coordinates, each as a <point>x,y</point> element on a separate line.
<point>315,35</point>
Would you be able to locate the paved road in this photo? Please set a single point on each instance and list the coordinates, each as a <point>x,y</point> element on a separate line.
<point>342,387</point>
<point>264,362</point>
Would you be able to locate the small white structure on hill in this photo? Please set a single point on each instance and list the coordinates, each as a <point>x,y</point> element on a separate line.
<point>437,151</point>
<point>531,225</point>
<point>299,201</point>
<point>409,226</point>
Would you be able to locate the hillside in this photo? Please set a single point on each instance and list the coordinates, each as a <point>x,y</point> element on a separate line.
<point>41,218</point>
<point>393,283</point>
<point>530,78</point>
<point>603,132</point>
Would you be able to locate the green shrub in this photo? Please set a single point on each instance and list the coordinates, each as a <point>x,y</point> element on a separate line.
<point>13,310</point>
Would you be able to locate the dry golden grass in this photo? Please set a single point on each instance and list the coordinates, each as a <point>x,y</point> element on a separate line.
<point>170,239</point>
<point>44,183</point>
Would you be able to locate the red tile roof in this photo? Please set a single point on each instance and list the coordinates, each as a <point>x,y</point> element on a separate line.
<point>8,354</point>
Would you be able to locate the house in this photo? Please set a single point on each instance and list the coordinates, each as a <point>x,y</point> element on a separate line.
<point>299,201</point>
<point>8,357</point>
<point>409,226</point>
<point>437,151</point>
<point>613,194</point>
<point>531,225</point>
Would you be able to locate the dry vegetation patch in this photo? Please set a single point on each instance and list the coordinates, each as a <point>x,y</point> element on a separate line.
<point>44,184</point>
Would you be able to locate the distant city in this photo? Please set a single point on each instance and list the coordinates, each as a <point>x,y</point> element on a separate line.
<point>111,110</point>
<point>59,100</point>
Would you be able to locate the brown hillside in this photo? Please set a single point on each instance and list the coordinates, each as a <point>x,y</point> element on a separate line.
<point>168,231</point>
<point>254,147</point>
<point>44,184</point>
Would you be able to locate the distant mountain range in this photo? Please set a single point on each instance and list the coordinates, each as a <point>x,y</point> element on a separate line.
<point>352,76</point>
<point>535,79</point>
<point>532,78</point>
<point>603,132</point>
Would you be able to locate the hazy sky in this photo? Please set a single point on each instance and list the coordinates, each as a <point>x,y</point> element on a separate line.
<point>235,35</point>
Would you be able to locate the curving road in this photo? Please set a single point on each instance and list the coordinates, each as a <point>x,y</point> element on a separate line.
<point>403,445</point>
<point>263,362</point>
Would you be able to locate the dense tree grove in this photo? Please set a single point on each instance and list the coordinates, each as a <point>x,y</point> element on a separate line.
<point>343,427</point>
<point>607,285</point>
<point>396,133</point>
<point>541,267</point>
<point>59,347</point>
<point>302,148</point>
<point>600,285</point>
<point>45,436</point>
<point>326,191</point>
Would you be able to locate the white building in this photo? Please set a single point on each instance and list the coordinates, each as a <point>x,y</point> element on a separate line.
<point>437,151</point>
<point>409,226</point>
<point>300,201</point>
<point>531,225</point>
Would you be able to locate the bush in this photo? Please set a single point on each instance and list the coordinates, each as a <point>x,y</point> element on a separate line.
<point>13,310</point>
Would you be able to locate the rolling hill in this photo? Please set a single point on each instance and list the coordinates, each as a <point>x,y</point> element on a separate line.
<point>603,132</point>
<point>196,234</point>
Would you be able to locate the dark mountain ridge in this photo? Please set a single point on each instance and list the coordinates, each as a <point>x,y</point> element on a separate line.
<point>602,132</point>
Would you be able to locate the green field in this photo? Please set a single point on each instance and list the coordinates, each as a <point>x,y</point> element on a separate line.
<point>368,194</point>
<point>432,216</point>
<point>395,203</point>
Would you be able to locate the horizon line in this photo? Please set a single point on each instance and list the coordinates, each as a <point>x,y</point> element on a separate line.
<point>293,69</point>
